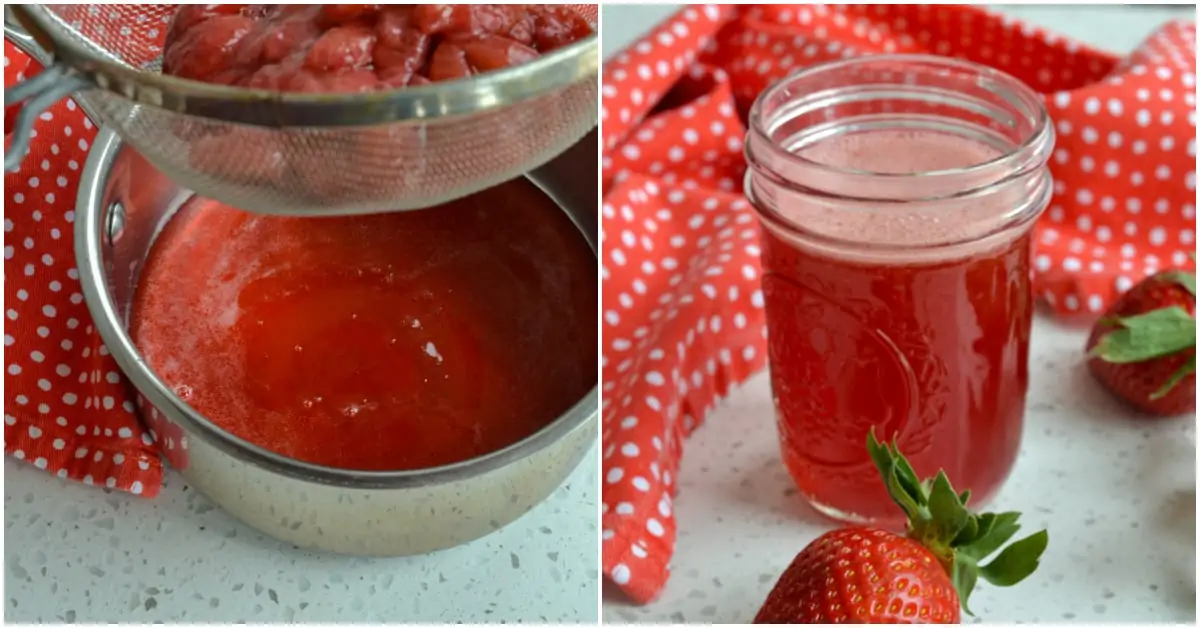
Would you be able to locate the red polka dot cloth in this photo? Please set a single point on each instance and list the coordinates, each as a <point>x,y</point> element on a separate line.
<point>683,317</point>
<point>67,408</point>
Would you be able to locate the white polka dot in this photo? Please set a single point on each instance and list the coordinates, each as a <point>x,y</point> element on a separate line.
<point>1158,236</point>
<point>620,573</point>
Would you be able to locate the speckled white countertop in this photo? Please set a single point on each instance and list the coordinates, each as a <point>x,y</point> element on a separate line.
<point>1117,493</point>
<point>82,554</point>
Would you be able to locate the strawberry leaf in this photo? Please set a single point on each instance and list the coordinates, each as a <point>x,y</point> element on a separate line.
<point>907,497</point>
<point>977,528</point>
<point>939,519</point>
<point>1017,561</point>
<point>1183,278</point>
<point>1188,368</point>
<point>964,576</point>
<point>1155,334</point>
<point>969,532</point>
<point>905,470</point>
<point>999,529</point>
<point>949,514</point>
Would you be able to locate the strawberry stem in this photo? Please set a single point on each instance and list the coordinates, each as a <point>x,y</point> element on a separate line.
<point>960,539</point>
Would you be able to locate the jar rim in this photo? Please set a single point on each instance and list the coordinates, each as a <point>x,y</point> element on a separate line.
<point>1033,151</point>
<point>944,213</point>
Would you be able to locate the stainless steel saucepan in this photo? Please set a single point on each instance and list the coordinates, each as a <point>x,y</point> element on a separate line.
<point>123,203</point>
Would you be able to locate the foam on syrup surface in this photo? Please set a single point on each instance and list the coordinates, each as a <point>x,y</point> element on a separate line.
<point>386,342</point>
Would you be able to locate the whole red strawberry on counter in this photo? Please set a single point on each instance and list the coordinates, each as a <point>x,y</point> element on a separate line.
<point>1144,347</point>
<point>863,575</point>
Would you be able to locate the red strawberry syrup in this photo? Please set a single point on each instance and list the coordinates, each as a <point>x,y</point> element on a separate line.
<point>383,342</point>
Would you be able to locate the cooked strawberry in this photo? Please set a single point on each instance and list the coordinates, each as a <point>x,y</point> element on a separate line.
<point>189,15</point>
<point>341,14</point>
<point>401,50</point>
<point>475,19</point>
<point>557,26</point>
<point>1144,348</point>
<point>208,47</point>
<point>449,62</point>
<point>863,575</point>
<point>492,52</point>
<point>339,49</point>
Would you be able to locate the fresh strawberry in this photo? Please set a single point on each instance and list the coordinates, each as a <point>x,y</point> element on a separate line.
<point>1144,347</point>
<point>863,575</point>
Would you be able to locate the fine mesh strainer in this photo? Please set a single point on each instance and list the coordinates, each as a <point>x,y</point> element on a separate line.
<point>303,154</point>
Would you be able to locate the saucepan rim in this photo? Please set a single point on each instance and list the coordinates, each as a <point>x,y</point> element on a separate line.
<point>89,229</point>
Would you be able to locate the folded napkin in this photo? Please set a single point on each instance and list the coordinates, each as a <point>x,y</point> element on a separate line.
<point>683,318</point>
<point>67,407</point>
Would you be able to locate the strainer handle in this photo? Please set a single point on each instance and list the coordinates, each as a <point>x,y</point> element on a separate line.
<point>41,91</point>
<point>37,93</point>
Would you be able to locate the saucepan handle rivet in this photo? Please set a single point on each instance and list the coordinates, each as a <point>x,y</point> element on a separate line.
<point>114,223</point>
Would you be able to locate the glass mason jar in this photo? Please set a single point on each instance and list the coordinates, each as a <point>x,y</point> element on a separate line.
<point>896,195</point>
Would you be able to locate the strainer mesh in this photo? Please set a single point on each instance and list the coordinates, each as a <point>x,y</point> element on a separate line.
<point>322,170</point>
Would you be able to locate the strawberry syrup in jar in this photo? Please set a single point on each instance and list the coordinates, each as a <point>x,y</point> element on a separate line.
<point>896,196</point>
